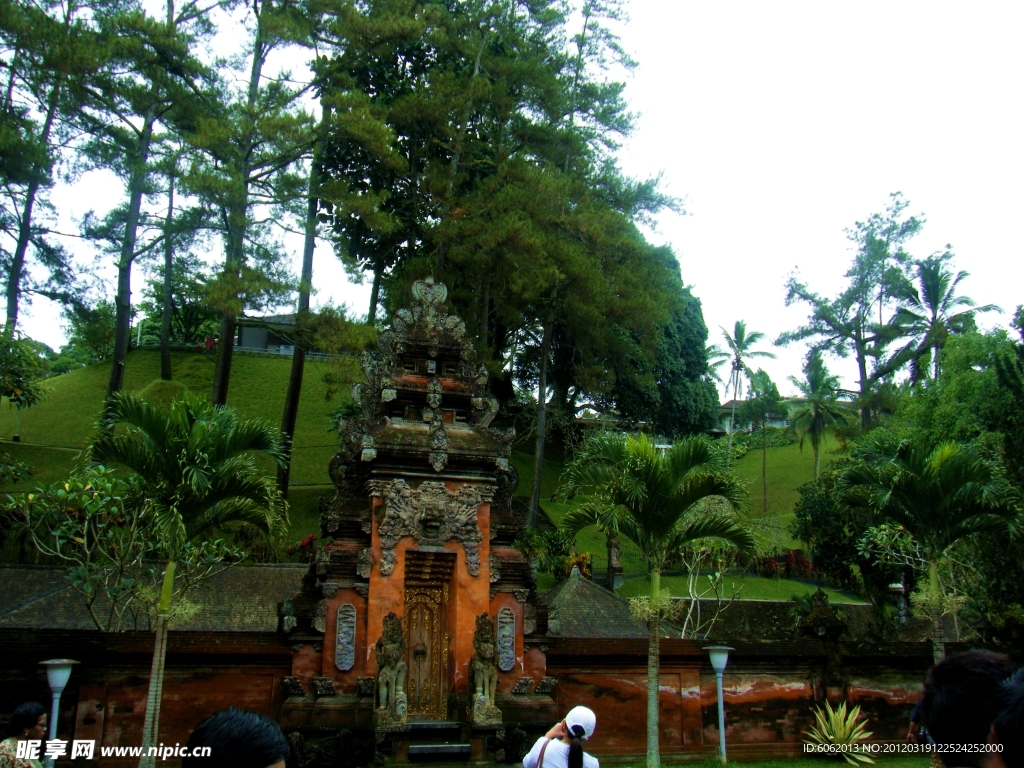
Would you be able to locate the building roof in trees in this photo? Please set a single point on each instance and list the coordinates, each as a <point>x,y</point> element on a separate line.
<point>578,607</point>
<point>240,599</point>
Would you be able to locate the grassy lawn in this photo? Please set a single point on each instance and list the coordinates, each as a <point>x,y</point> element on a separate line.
<point>788,469</point>
<point>67,415</point>
<point>751,588</point>
<point>55,431</point>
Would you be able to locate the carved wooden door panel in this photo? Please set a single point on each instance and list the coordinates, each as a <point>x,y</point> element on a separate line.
<point>427,649</point>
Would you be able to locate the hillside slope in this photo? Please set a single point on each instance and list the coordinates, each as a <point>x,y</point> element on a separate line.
<point>66,417</point>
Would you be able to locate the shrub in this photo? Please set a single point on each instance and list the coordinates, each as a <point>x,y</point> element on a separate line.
<point>839,728</point>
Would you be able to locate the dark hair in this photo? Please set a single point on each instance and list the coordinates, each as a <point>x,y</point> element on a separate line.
<point>25,716</point>
<point>576,734</point>
<point>961,699</point>
<point>237,738</point>
<point>1009,721</point>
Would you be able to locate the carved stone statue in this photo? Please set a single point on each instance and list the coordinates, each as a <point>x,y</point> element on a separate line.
<point>483,674</point>
<point>390,712</point>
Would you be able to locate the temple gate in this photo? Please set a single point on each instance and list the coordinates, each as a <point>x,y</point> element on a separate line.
<point>416,605</point>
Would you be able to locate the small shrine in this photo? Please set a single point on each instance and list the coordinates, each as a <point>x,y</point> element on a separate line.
<point>416,606</point>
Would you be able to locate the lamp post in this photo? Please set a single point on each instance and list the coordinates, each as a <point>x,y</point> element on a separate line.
<point>57,673</point>
<point>719,658</point>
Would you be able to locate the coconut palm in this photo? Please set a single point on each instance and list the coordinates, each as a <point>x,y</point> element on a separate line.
<point>931,311</point>
<point>196,463</point>
<point>818,409</point>
<point>940,494</point>
<point>740,344</point>
<point>656,499</point>
<point>716,357</point>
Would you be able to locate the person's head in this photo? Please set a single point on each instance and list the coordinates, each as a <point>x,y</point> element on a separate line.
<point>1008,724</point>
<point>960,699</point>
<point>28,721</point>
<point>579,725</point>
<point>238,738</point>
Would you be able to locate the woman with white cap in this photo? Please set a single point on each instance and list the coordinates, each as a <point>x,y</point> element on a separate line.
<point>561,747</point>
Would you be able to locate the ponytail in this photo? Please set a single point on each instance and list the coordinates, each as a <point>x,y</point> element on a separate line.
<point>576,747</point>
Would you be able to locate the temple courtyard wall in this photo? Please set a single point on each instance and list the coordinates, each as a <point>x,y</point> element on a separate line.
<point>771,688</point>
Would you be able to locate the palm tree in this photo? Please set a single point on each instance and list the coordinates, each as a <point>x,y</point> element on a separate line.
<point>929,313</point>
<point>197,465</point>
<point>716,357</point>
<point>940,494</point>
<point>818,410</point>
<point>654,498</point>
<point>740,345</point>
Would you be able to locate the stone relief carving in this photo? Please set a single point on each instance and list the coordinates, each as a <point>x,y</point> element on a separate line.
<point>546,686</point>
<point>523,686</point>
<point>320,616</point>
<point>439,444</point>
<point>324,686</point>
<point>431,514</point>
<point>392,702</point>
<point>365,562</point>
<point>483,674</point>
<point>345,642</point>
<point>506,639</point>
<point>292,686</point>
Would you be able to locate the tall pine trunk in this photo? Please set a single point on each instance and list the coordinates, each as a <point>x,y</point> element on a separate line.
<point>542,391</point>
<point>291,400</point>
<point>17,268</point>
<point>237,224</point>
<point>371,315</point>
<point>168,291</point>
<point>123,301</point>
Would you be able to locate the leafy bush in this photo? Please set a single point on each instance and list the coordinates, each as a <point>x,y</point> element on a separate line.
<point>791,565</point>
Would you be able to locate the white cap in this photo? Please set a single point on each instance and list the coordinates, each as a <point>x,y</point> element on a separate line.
<point>583,717</point>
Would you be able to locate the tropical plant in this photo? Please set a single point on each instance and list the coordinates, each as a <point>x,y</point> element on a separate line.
<point>839,728</point>
<point>848,325</point>
<point>195,463</point>
<point>659,500</point>
<point>941,495</point>
<point>97,527</point>
<point>716,359</point>
<point>740,344</point>
<point>931,311</point>
<point>818,410</point>
<point>20,370</point>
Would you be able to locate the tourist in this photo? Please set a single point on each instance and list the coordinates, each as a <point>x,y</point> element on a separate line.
<point>561,747</point>
<point>237,738</point>
<point>960,704</point>
<point>28,722</point>
<point>1008,725</point>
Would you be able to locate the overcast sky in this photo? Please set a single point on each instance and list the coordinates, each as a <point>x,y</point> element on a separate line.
<point>783,123</point>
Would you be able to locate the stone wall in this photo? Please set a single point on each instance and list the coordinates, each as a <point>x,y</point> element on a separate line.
<point>106,696</point>
<point>771,689</point>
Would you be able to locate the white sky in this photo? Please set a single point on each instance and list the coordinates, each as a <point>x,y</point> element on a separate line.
<point>781,124</point>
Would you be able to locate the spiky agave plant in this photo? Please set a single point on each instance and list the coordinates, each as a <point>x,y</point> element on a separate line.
<point>839,728</point>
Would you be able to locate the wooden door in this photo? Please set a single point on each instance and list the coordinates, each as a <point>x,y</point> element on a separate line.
<point>427,651</point>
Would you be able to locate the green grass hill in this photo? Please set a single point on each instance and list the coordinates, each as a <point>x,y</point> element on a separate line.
<point>54,432</point>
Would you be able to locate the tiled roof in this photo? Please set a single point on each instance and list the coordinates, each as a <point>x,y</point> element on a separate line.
<point>240,599</point>
<point>578,607</point>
